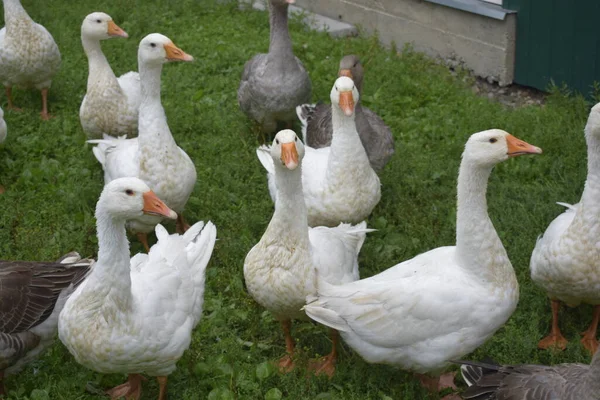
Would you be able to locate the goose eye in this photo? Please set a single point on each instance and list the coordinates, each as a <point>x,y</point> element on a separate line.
<point>98,21</point>
<point>152,44</point>
<point>276,141</point>
<point>493,140</point>
<point>129,192</point>
<point>296,139</point>
<point>336,89</point>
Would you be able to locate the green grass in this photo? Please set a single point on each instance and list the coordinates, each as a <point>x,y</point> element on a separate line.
<point>53,182</point>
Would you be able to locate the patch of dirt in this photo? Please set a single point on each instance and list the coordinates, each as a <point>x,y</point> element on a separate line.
<point>511,96</point>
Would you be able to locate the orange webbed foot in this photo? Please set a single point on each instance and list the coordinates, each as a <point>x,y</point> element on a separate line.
<point>557,342</point>
<point>285,364</point>
<point>130,390</point>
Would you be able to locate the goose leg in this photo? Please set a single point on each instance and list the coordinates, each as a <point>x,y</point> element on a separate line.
<point>286,364</point>
<point>162,384</point>
<point>44,112</point>
<point>437,383</point>
<point>555,338</point>
<point>2,190</point>
<point>143,238</point>
<point>181,226</point>
<point>130,390</point>
<point>11,106</point>
<point>589,340</point>
<point>326,365</point>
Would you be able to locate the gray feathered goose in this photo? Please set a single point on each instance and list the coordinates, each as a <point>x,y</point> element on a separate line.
<point>532,382</point>
<point>31,297</point>
<point>273,84</point>
<point>375,135</point>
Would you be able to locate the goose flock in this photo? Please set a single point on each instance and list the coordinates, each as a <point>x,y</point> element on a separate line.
<point>136,315</point>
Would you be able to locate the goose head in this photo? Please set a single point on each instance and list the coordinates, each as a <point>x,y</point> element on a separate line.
<point>493,146</point>
<point>100,26</point>
<point>351,67</point>
<point>159,49</point>
<point>287,150</point>
<point>592,128</point>
<point>127,198</point>
<point>344,95</point>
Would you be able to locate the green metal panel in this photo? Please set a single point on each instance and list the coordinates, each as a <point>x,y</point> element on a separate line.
<point>559,41</point>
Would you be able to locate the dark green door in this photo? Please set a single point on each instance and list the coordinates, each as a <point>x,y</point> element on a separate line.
<point>557,40</point>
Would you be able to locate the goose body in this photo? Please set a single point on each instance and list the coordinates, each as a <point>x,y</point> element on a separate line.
<point>532,382</point>
<point>136,315</point>
<point>111,104</point>
<point>29,57</point>
<point>273,84</point>
<point>441,304</point>
<point>153,156</point>
<point>280,270</point>
<point>32,296</point>
<point>564,261</point>
<point>375,136</point>
<point>338,182</point>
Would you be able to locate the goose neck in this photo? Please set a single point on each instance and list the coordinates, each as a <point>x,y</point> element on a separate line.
<point>112,271</point>
<point>280,45</point>
<point>290,218</point>
<point>591,192</point>
<point>346,146</point>
<point>97,63</point>
<point>478,246</point>
<point>14,15</point>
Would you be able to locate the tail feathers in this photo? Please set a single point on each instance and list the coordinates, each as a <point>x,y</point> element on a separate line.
<point>83,265</point>
<point>567,205</point>
<point>473,371</point>
<point>325,316</point>
<point>264,156</point>
<point>357,232</point>
<point>104,146</point>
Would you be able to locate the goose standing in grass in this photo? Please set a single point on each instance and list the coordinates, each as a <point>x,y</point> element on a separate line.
<point>31,297</point>
<point>280,269</point>
<point>375,135</point>
<point>442,304</point>
<point>136,315</point>
<point>531,382</point>
<point>29,57</point>
<point>338,181</point>
<point>3,132</point>
<point>273,84</point>
<point>565,260</point>
<point>153,156</point>
<point>110,104</point>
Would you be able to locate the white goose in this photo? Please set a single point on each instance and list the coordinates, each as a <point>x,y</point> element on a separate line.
<point>153,156</point>
<point>29,57</point>
<point>442,304</point>
<point>565,260</point>
<point>280,269</point>
<point>136,316</point>
<point>339,183</point>
<point>110,104</point>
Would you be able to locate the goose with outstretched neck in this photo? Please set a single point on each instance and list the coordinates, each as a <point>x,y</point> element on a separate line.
<point>442,304</point>
<point>375,135</point>
<point>281,268</point>
<point>111,104</point>
<point>564,261</point>
<point>273,84</point>
<point>153,156</point>
<point>136,315</point>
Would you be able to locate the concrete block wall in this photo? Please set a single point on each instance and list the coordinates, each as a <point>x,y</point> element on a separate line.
<point>485,45</point>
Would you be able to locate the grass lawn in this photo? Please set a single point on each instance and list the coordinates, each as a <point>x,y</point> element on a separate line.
<point>53,181</point>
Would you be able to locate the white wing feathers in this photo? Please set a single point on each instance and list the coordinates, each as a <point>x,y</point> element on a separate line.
<point>118,156</point>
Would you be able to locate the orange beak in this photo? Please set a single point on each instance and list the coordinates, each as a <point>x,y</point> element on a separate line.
<point>114,30</point>
<point>154,206</point>
<point>347,103</point>
<point>345,72</point>
<point>174,53</point>
<point>290,1</point>
<point>289,155</point>
<point>517,147</point>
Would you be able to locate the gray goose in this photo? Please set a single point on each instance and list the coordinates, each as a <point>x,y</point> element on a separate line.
<point>532,382</point>
<point>273,84</point>
<point>375,135</point>
<point>31,297</point>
